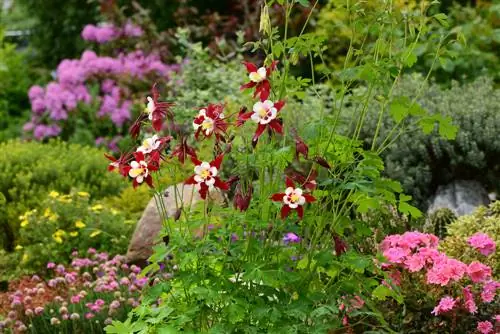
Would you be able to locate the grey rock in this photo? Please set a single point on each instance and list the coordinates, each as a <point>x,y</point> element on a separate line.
<point>150,223</point>
<point>461,196</point>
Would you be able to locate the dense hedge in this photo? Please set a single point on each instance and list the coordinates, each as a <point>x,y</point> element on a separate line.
<point>29,171</point>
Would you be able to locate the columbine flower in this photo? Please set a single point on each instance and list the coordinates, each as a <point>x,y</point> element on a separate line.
<point>206,176</point>
<point>259,78</point>
<point>182,150</point>
<point>149,145</point>
<point>483,243</point>
<point>293,199</point>
<point>265,114</point>
<point>140,170</point>
<point>119,163</point>
<point>155,111</point>
<point>210,120</point>
<point>291,238</point>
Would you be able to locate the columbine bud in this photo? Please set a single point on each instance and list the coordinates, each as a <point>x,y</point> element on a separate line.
<point>340,245</point>
<point>242,200</point>
<point>265,21</point>
<point>300,147</point>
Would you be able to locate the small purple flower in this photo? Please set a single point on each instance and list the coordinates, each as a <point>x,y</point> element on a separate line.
<point>291,238</point>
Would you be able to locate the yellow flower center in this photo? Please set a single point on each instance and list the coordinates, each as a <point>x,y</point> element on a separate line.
<point>262,112</point>
<point>207,124</point>
<point>294,198</point>
<point>205,174</point>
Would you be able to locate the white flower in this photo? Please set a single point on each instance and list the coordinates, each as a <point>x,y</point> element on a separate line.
<point>264,112</point>
<point>205,173</point>
<point>258,76</point>
<point>208,123</point>
<point>150,107</point>
<point>149,145</point>
<point>293,197</point>
<point>139,170</point>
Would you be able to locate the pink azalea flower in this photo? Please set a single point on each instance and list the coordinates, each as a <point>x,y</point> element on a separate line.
<point>470,304</point>
<point>482,243</point>
<point>489,291</point>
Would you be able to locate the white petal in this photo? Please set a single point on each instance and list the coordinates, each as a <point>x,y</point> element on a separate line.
<point>273,112</point>
<point>262,72</point>
<point>221,116</point>
<point>289,191</point>
<point>213,170</point>
<point>205,165</point>
<point>268,104</point>
<point>203,112</point>
<point>139,179</point>
<point>198,178</point>
<point>257,106</point>
<point>255,117</point>
<point>151,105</point>
<point>134,164</point>
<point>196,126</point>
<point>298,192</point>
<point>210,182</point>
<point>198,169</point>
<point>286,200</point>
<point>301,201</point>
<point>293,205</point>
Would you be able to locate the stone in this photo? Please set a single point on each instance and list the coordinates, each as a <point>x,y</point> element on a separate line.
<point>150,223</point>
<point>461,196</point>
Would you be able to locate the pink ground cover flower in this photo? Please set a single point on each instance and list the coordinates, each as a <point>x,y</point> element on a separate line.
<point>485,327</point>
<point>489,291</point>
<point>469,302</point>
<point>479,272</point>
<point>445,304</point>
<point>482,243</point>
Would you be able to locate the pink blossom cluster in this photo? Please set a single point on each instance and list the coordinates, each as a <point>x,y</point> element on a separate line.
<point>106,32</point>
<point>96,276</point>
<point>482,243</point>
<point>52,105</point>
<point>416,252</point>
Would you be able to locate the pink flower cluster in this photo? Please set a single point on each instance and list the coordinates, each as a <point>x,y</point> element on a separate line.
<point>106,32</point>
<point>417,252</point>
<point>53,104</point>
<point>95,275</point>
<point>482,243</point>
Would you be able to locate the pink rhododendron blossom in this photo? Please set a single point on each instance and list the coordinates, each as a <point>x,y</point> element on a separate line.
<point>469,302</point>
<point>483,243</point>
<point>489,291</point>
<point>485,327</point>
<point>445,304</point>
<point>479,272</point>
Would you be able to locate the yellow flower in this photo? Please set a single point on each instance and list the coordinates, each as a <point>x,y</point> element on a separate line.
<point>47,213</point>
<point>25,257</point>
<point>57,236</point>
<point>19,247</point>
<point>83,194</point>
<point>24,223</point>
<point>54,194</point>
<point>95,233</point>
<point>97,207</point>
<point>114,212</point>
<point>79,224</point>
<point>65,199</point>
<point>73,234</point>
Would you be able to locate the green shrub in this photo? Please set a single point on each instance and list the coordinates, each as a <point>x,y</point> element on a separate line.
<point>438,222</point>
<point>29,171</point>
<point>62,224</point>
<point>422,162</point>
<point>485,220</point>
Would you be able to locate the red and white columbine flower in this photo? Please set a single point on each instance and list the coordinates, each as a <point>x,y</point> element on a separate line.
<point>293,199</point>
<point>120,164</point>
<point>259,78</point>
<point>153,144</point>
<point>206,177</point>
<point>155,111</point>
<point>140,170</point>
<point>265,114</point>
<point>210,120</point>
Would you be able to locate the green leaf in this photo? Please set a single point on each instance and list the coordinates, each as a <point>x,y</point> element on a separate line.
<point>165,329</point>
<point>304,3</point>
<point>399,109</point>
<point>381,292</point>
<point>442,19</point>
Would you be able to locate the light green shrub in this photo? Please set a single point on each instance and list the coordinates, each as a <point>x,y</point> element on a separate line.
<point>29,171</point>
<point>438,222</point>
<point>485,220</point>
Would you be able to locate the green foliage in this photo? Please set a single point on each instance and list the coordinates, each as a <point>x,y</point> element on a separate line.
<point>61,224</point>
<point>29,171</point>
<point>485,220</point>
<point>15,80</point>
<point>423,161</point>
<point>438,222</point>
<point>467,36</point>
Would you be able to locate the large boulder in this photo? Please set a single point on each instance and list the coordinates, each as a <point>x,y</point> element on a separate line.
<point>150,224</point>
<point>461,196</point>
